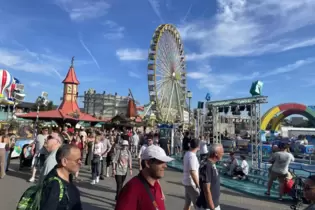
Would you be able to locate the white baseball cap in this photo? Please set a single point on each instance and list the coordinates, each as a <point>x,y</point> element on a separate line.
<point>155,152</point>
<point>125,143</point>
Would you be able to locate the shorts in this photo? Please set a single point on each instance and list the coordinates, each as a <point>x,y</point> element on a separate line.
<point>191,195</point>
<point>274,176</point>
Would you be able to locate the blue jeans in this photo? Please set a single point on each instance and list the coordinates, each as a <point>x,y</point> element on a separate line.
<point>6,159</point>
<point>95,167</point>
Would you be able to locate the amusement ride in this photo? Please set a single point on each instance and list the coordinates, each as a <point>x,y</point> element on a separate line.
<point>167,75</point>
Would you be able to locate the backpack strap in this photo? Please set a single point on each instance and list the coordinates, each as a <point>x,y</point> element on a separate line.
<point>147,188</point>
<point>63,188</point>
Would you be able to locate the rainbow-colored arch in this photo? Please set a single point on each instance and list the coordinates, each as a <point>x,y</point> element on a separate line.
<point>285,110</point>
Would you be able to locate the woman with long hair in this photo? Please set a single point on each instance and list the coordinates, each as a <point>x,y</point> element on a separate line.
<point>96,160</point>
<point>3,147</point>
<point>121,162</point>
<point>10,147</point>
<point>79,143</point>
<point>89,149</point>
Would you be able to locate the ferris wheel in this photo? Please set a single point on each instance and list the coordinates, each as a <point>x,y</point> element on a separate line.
<point>167,75</point>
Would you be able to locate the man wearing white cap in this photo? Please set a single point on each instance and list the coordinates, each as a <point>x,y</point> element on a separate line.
<point>137,193</point>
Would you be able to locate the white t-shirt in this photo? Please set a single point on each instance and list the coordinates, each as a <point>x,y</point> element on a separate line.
<point>203,147</point>
<point>98,149</point>
<point>135,139</point>
<point>191,163</point>
<point>244,166</point>
<point>142,150</point>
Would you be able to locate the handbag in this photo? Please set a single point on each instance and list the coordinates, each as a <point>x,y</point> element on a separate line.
<point>147,188</point>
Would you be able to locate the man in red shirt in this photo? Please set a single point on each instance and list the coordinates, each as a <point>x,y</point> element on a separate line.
<point>144,192</point>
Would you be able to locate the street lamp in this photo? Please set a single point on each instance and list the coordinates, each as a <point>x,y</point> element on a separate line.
<point>40,101</point>
<point>189,96</point>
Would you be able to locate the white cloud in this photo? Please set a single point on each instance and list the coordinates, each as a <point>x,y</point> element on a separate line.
<point>131,54</point>
<point>34,84</point>
<point>113,30</point>
<point>89,52</point>
<point>290,67</point>
<point>134,75</point>
<point>243,28</point>
<point>218,82</point>
<point>80,10</point>
<point>28,61</point>
<point>155,4</point>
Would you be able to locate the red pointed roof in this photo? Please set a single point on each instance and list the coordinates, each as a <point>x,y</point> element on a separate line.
<point>67,109</point>
<point>71,77</point>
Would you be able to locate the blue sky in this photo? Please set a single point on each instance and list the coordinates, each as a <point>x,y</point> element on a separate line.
<point>228,44</point>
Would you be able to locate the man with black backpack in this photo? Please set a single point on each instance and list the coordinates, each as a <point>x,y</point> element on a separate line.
<point>58,192</point>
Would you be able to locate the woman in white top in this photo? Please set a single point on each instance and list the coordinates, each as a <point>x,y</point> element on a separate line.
<point>96,160</point>
<point>203,148</point>
<point>3,145</point>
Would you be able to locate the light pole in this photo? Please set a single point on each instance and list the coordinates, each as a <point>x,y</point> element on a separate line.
<point>189,96</point>
<point>40,101</point>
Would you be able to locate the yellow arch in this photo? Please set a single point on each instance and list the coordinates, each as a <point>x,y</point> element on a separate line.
<point>276,122</point>
<point>268,117</point>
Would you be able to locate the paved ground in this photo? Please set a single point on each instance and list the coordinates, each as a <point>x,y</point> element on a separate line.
<point>101,196</point>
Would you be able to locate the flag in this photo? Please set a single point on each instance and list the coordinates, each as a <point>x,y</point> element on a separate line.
<point>208,97</point>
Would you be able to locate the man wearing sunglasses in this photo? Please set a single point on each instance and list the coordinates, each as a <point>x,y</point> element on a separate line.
<point>52,145</point>
<point>143,148</point>
<point>144,192</point>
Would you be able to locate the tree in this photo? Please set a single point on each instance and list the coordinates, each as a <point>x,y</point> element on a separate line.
<point>50,106</point>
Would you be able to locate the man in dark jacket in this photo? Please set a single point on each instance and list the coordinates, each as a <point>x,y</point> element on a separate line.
<point>59,193</point>
<point>186,142</point>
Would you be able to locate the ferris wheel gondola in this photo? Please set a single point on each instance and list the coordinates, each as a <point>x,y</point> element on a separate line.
<point>167,75</point>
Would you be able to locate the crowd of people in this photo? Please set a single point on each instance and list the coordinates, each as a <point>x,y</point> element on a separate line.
<point>201,179</point>
<point>57,155</point>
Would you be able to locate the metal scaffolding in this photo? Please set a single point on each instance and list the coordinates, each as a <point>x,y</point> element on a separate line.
<point>253,105</point>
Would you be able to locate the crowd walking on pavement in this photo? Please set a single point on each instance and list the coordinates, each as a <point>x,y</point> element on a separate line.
<point>57,155</point>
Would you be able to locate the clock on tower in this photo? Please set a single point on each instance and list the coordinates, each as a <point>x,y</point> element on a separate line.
<point>69,89</point>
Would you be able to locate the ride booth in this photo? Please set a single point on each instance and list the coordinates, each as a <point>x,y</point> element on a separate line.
<point>166,138</point>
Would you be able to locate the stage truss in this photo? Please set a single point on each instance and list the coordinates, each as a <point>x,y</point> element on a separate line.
<point>252,105</point>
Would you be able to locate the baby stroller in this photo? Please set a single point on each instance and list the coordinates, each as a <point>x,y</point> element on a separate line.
<point>297,194</point>
<point>26,157</point>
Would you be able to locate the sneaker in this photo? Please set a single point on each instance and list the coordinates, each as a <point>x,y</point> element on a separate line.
<point>32,180</point>
<point>102,178</point>
<point>97,179</point>
<point>93,182</point>
<point>234,177</point>
<point>107,175</point>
